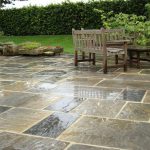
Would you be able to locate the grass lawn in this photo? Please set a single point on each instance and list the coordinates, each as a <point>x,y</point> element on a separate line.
<point>51,40</point>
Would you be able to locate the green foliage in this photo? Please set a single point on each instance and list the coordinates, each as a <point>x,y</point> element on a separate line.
<point>30,45</point>
<point>61,18</point>
<point>134,25</point>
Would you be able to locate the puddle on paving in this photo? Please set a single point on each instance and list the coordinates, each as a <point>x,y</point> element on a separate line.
<point>86,92</point>
<point>65,104</point>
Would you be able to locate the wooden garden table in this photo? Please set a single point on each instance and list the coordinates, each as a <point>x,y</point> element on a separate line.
<point>138,50</point>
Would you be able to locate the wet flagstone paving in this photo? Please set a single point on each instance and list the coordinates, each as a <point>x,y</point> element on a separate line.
<point>48,104</point>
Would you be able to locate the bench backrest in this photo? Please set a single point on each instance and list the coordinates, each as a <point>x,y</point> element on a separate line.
<point>114,34</point>
<point>88,40</point>
<point>93,40</point>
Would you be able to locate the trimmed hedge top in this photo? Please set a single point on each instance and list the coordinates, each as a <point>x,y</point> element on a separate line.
<point>61,18</point>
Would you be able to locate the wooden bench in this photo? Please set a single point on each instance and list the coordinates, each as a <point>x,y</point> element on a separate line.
<point>98,42</point>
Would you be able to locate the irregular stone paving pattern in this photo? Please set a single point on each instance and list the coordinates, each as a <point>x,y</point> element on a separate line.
<point>48,104</point>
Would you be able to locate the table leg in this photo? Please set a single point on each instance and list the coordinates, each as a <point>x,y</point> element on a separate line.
<point>130,58</point>
<point>138,59</point>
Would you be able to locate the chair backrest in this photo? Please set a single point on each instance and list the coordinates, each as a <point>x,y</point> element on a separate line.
<point>114,34</point>
<point>88,40</point>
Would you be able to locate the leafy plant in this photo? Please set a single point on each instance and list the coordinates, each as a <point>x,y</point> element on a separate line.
<point>134,25</point>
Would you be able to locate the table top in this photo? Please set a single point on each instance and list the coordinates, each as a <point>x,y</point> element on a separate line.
<point>138,48</point>
<point>118,41</point>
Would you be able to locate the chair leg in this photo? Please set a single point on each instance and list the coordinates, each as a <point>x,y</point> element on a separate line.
<point>76,58</point>
<point>83,55</point>
<point>105,66</point>
<point>116,59</point>
<point>90,56</point>
<point>93,58</point>
<point>125,63</point>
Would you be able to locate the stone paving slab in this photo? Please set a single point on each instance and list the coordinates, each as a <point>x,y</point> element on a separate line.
<point>134,77</point>
<point>102,108</point>
<point>113,133</point>
<point>12,141</point>
<point>26,100</point>
<point>19,119</point>
<point>85,147</point>
<point>147,97</point>
<point>4,83</point>
<point>135,111</point>
<point>145,71</point>
<point>143,85</point>
<point>83,81</point>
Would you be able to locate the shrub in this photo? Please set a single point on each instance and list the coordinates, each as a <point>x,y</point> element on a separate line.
<point>61,18</point>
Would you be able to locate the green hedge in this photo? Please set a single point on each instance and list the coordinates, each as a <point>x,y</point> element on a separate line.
<point>61,18</point>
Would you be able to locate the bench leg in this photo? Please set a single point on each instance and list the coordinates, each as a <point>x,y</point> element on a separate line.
<point>93,58</point>
<point>76,58</point>
<point>105,66</point>
<point>130,58</point>
<point>90,56</point>
<point>125,62</point>
<point>116,59</point>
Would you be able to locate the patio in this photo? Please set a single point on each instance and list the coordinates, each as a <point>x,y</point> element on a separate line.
<point>48,104</point>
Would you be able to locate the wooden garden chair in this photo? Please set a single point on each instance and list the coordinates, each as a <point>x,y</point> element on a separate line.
<point>99,42</point>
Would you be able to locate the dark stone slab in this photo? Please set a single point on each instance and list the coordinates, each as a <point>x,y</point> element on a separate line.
<point>109,132</point>
<point>85,147</point>
<point>53,125</point>
<point>11,141</point>
<point>65,104</point>
<point>131,95</point>
<point>3,108</point>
